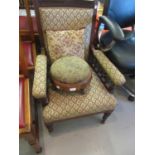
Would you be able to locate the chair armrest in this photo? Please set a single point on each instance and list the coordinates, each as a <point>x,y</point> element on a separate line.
<point>114,28</point>
<point>39,89</point>
<point>114,74</point>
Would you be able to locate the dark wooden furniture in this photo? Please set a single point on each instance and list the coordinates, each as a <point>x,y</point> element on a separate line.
<point>27,37</point>
<point>80,86</point>
<point>28,117</point>
<point>27,24</point>
<point>22,4</point>
<point>24,26</point>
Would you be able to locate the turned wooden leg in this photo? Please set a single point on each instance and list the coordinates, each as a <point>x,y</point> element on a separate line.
<point>30,138</point>
<point>33,140</point>
<point>49,127</point>
<point>37,147</point>
<point>82,91</point>
<point>105,116</point>
<point>32,135</point>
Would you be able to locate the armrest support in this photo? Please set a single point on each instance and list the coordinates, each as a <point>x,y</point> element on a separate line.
<point>40,77</point>
<point>114,74</point>
<point>114,28</point>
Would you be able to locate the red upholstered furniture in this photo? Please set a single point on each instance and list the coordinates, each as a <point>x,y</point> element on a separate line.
<point>23,24</point>
<point>27,29</point>
<point>27,120</point>
<point>27,46</point>
<point>21,103</point>
<point>28,124</point>
<point>24,105</point>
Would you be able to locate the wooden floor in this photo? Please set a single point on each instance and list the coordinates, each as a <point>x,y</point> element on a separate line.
<point>86,136</point>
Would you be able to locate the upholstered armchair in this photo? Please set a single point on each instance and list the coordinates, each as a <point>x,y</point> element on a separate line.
<point>66,30</point>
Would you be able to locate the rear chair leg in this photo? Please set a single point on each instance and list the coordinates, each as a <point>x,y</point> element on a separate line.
<point>105,116</point>
<point>37,147</point>
<point>49,127</point>
<point>33,141</point>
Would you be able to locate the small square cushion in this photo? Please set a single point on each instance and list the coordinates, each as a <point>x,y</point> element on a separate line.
<point>65,43</point>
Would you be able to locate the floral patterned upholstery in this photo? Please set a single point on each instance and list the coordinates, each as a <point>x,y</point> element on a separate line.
<point>65,43</point>
<point>65,18</point>
<point>115,75</point>
<point>64,105</point>
<point>39,83</point>
<point>70,69</point>
<point>58,19</point>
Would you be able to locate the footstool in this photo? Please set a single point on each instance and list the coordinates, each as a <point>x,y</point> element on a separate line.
<point>70,73</point>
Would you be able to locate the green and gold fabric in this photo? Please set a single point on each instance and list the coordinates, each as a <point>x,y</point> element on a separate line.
<point>115,75</point>
<point>65,18</point>
<point>63,105</point>
<point>70,69</point>
<point>39,83</point>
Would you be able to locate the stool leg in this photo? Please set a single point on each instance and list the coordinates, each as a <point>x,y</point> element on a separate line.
<point>82,91</point>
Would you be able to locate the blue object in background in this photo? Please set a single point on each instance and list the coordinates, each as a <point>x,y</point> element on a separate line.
<point>101,27</point>
<point>121,11</point>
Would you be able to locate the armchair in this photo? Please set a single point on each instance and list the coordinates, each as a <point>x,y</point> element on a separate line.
<point>70,17</point>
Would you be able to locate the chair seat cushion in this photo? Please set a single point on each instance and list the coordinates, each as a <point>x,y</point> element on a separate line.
<point>65,43</point>
<point>70,69</point>
<point>64,105</point>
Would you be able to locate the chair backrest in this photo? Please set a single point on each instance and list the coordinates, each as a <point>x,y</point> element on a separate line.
<point>64,15</point>
<point>121,11</point>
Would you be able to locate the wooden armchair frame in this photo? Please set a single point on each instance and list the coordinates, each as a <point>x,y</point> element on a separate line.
<point>91,60</point>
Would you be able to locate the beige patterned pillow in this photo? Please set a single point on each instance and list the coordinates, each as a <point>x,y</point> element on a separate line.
<point>65,43</point>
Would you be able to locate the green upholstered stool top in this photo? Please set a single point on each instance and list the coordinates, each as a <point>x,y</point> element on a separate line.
<point>70,70</point>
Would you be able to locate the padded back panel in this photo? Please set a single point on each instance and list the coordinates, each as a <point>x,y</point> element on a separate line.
<point>121,11</point>
<point>65,18</point>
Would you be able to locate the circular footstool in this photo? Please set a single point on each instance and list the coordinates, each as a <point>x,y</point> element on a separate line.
<point>70,73</point>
